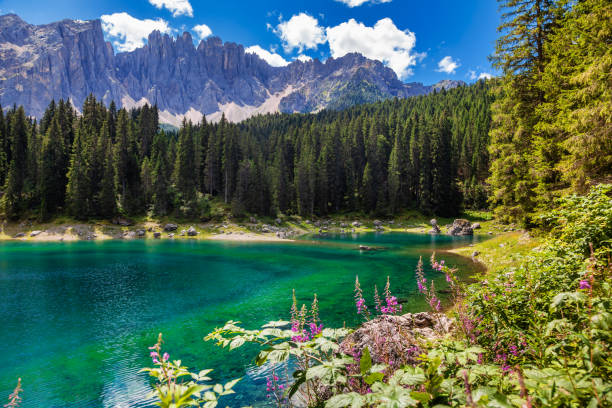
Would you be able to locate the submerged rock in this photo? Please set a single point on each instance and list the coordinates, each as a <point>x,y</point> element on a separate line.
<point>396,338</point>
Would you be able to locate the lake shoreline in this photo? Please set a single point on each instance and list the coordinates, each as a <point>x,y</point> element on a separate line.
<point>284,231</point>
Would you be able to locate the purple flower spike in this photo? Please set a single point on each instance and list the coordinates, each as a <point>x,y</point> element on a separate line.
<point>584,284</point>
<point>166,356</point>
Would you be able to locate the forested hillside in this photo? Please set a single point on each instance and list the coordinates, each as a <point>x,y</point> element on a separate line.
<point>552,119</point>
<point>427,153</point>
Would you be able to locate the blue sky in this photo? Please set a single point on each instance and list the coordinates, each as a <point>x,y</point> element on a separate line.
<point>421,40</point>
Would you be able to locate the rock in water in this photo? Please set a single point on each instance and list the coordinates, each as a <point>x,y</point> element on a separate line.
<point>397,338</point>
<point>461,227</point>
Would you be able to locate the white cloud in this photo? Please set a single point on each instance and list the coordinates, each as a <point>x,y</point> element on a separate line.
<point>472,74</point>
<point>304,58</point>
<point>271,58</point>
<point>177,7</point>
<point>485,75</point>
<point>383,42</point>
<point>128,32</point>
<point>300,31</point>
<point>202,31</point>
<point>447,65</point>
<point>357,3</point>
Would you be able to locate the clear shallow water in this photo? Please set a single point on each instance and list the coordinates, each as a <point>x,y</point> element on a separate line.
<point>77,317</point>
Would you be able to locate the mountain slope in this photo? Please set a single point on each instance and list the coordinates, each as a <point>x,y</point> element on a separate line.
<point>70,59</point>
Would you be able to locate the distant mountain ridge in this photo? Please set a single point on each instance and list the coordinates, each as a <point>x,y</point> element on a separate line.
<point>70,59</point>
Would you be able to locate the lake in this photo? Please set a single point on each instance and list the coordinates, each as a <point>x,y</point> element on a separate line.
<point>77,318</point>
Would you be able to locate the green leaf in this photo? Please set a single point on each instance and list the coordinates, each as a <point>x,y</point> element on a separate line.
<point>374,377</point>
<point>352,399</point>
<point>365,363</point>
<point>236,342</point>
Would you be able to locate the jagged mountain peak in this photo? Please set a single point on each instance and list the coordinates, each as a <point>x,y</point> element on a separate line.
<point>70,59</point>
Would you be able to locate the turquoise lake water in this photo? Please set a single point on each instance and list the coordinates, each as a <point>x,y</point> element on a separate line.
<point>77,318</point>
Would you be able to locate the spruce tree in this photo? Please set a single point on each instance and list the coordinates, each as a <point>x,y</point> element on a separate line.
<point>52,179</point>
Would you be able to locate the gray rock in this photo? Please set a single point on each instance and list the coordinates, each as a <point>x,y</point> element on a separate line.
<point>192,232</point>
<point>403,336</point>
<point>170,227</point>
<point>35,233</point>
<point>435,229</point>
<point>141,233</point>
<point>157,234</point>
<point>124,222</point>
<point>356,224</point>
<point>19,235</point>
<point>171,235</point>
<point>476,226</point>
<point>461,227</point>
<point>70,59</point>
<point>475,254</point>
<point>378,223</point>
<point>278,221</point>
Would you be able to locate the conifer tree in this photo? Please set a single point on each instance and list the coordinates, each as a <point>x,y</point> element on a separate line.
<point>12,200</point>
<point>161,171</point>
<point>52,178</point>
<point>78,190</point>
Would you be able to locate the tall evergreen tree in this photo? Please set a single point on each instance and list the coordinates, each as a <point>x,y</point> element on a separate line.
<point>52,177</point>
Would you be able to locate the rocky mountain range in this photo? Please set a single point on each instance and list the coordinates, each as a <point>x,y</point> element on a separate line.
<point>70,59</point>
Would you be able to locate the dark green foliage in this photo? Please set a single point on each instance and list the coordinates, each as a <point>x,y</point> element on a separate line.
<point>552,120</point>
<point>418,153</point>
<point>52,170</point>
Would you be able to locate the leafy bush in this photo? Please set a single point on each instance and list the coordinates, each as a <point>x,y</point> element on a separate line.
<point>537,334</point>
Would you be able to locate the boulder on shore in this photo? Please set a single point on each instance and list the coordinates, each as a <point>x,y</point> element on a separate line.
<point>19,235</point>
<point>397,338</point>
<point>140,233</point>
<point>461,227</point>
<point>157,234</point>
<point>435,229</point>
<point>170,227</point>
<point>476,226</point>
<point>378,223</point>
<point>35,233</point>
<point>124,222</point>
<point>192,232</point>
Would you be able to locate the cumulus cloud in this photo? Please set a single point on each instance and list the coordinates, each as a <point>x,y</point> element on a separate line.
<point>357,3</point>
<point>304,58</point>
<point>483,75</point>
<point>300,31</point>
<point>448,65</point>
<point>127,32</point>
<point>271,58</point>
<point>177,7</point>
<point>384,42</point>
<point>202,31</point>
